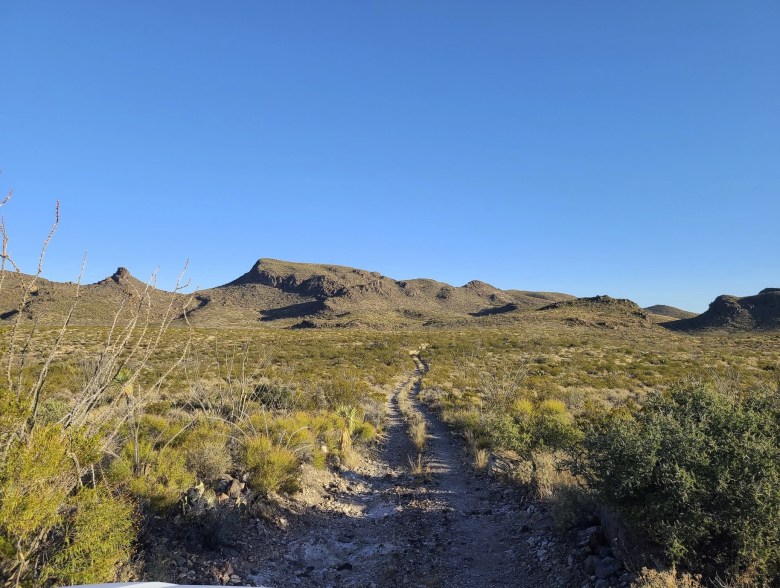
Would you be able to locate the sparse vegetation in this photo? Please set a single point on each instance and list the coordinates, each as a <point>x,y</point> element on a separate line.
<point>551,399</point>
<point>415,422</point>
<point>103,428</point>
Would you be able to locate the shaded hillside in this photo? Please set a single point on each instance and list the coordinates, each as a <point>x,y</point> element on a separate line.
<point>285,294</point>
<point>759,312</point>
<point>662,311</point>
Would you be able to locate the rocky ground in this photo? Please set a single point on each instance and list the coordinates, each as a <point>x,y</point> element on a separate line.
<point>374,524</point>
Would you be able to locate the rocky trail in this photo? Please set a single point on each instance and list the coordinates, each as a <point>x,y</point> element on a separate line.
<point>375,524</point>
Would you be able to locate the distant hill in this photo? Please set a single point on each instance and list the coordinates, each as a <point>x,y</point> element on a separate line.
<point>758,312</point>
<point>306,295</point>
<point>599,311</point>
<point>664,311</point>
<point>49,302</point>
<point>283,293</point>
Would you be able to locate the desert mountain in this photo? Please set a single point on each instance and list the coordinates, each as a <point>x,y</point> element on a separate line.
<point>298,295</point>
<point>283,293</point>
<point>761,312</point>
<point>306,294</point>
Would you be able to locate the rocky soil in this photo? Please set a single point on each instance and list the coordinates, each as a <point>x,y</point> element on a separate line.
<point>372,524</point>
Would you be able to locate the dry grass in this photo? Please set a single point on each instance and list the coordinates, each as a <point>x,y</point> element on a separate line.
<point>419,433</point>
<point>649,578</point>
<point>481,458</point>
<point>417,466</point>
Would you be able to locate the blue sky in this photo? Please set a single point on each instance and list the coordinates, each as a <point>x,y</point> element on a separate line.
<point>627,148</point>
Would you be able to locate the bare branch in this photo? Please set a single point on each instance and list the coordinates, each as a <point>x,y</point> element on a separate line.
<point>26,291</point>
<point>44,372</point>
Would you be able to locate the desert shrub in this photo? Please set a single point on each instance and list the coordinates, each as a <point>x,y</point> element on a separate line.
<point>522,410</point>
<point>298,430</point>
<point>12,415</point>
<point>35,482</point>
<point>346,389</point>
<point>274,395</point>
<point>501,430</point>
<point>699,472</point>
<point>374,412</point>
<point>42,517</point>
<point>318,458</point>
<point>528,429</point>
<point>95,540</point>
<point>464,420</point>
<point>553,427</point>
<point>418,431</point>
<point>159,479</point>
<point>206,454</point>
<point>52,410</point>
<point>271,468</point>
<point>365,432</point>
<point>161,430</point>
<point>481,458</point>
<point>545,474</point>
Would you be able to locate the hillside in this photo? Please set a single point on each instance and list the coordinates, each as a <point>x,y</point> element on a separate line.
<point>49,302</point>
<point>307,295</point>
<point>663,312</point>
<point>598,311</point>
<point>281,293</point>
<point>758,312</point>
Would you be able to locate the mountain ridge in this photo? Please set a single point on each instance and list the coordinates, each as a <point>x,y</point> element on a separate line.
<point>275,291</point>
<point>298,295</point>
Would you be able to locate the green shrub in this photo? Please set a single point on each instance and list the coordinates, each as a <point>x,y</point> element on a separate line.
<point>49,528</point>
<point>552,427</point>
<point>699,473</point>
<point>161,478</point>
<point>274,396</point>
<point>96,539</point>
<point>13,415</point>
<point>297,431</point>
<point>365,432</point>
<point>35,481</point>
<point>501,431</point>
<point>271,468</point>
<point>571,506</point>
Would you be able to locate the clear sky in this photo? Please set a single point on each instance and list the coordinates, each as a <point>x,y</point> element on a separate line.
<point>619,147</point>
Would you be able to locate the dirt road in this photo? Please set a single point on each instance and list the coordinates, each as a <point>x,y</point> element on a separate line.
<point>375,524</point>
